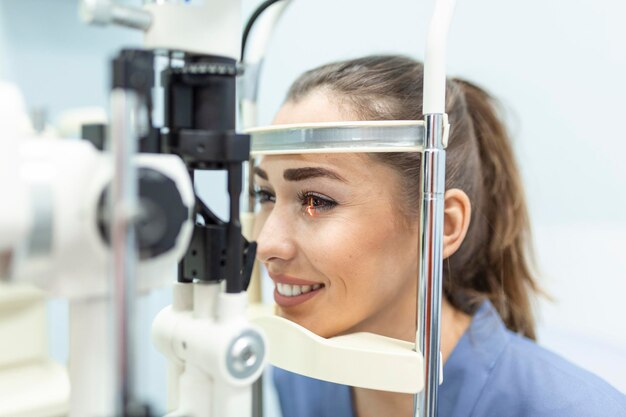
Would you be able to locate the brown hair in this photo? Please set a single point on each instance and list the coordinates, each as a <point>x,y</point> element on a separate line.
<point>494,260</point>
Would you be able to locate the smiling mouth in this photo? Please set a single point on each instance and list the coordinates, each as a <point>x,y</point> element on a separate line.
<point>292,290</point>
<point>289,295</point>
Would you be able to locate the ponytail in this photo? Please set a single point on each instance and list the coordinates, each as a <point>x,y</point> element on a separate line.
<point>506,274</point>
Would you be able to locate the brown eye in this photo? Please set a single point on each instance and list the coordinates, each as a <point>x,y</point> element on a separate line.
<point>314,204</point>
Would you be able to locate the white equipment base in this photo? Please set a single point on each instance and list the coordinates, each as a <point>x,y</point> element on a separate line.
<point>34,390</point>
<point>363,360</point>
<point>31,385</point>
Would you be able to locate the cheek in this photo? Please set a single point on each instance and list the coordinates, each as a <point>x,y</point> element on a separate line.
<point>363,256</point>
<point>259,220</point>
<point>368,263</point>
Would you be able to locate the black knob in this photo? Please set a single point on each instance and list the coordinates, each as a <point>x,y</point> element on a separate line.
<point>162,214</point>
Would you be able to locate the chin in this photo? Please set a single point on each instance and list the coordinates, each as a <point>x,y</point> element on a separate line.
<point>317,325</point>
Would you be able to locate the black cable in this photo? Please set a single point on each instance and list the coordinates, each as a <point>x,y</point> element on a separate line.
<point>246,32</point>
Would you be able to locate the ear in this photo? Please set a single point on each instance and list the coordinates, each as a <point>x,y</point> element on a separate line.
<point>457,214</point>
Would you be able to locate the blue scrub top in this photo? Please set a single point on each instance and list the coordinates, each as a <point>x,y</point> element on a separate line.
<point>492,372</point>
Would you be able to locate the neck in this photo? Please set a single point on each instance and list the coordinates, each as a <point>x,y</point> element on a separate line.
<point>368,403</point>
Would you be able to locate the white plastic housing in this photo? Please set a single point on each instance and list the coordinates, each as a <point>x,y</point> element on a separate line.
<point>15,213</point>
<point>90,338</point>
<point>45,378</point>
<point>361,359</point>
<point>211,27</point>
<point>26,368</point>
<point>194,334</point>
<point>435,58</point>
<point>64,180</point>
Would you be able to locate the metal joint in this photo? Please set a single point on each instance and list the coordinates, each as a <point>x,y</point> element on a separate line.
<point>245,354</point>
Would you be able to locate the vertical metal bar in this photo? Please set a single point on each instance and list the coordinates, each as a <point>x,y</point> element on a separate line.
<point>430,278</point>
<point>234,240</point>
<point>255,279</point>
<point>124,203</point>
<point>257,397</point>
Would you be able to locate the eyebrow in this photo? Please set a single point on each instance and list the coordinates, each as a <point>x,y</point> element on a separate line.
<point>301,174</point>
<point>260,172</point>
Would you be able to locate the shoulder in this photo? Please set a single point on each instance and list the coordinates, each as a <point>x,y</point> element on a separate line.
<point>301,396</point>
<point>296,393</point>
<point>538,383</point>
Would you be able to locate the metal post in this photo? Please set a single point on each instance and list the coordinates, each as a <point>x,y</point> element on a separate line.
<point>124,205</point>
<point>105,12</point>
<point>432,187</point>
<point>430,278</point>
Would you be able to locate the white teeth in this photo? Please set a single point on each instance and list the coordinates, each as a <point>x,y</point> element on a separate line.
<point>290,290</point>
<point>287,290</point>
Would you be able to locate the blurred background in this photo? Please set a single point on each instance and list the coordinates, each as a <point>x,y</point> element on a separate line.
<point>556,66</point>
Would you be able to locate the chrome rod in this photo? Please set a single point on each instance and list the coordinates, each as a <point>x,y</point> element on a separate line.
<point>124,206</point>
<point>106,12</point>
<point>131,17</point>
<point>430,249</point>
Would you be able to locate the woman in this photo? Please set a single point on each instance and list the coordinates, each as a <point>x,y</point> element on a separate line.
<point>338,237</point>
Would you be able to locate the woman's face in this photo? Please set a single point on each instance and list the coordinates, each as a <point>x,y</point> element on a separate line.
<point>342,257</point>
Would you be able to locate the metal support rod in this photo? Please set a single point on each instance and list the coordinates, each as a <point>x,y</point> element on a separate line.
<point>131,17</point>
<point>234,283</point>
<point>105,12</point>
<point>257,397</point>
<point>124,205</point>
<point>432,172</point>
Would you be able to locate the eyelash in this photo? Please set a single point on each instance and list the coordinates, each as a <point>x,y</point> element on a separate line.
<point>263,196</point>
<point>312,202</point>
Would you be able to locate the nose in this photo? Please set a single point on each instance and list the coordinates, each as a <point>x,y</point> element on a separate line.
<point>275,241</point>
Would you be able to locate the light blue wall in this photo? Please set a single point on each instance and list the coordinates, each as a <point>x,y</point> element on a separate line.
<point>57,61</point>
<point>557,66</point>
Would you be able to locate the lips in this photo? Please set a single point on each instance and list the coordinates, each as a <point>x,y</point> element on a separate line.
<point>287,279</point>
<point>291,291</point>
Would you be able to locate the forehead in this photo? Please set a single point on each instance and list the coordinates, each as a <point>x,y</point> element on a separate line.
<point>318,106</point>
<point>359,172</point>
<point>321,105</point>
<point>348,164</point>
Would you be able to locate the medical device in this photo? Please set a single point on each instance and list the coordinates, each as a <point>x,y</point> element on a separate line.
<point>214,352</point>
<point>82,207</point>
<point>65,245</point>
<point>24,358</point>
<point>60,240</point>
